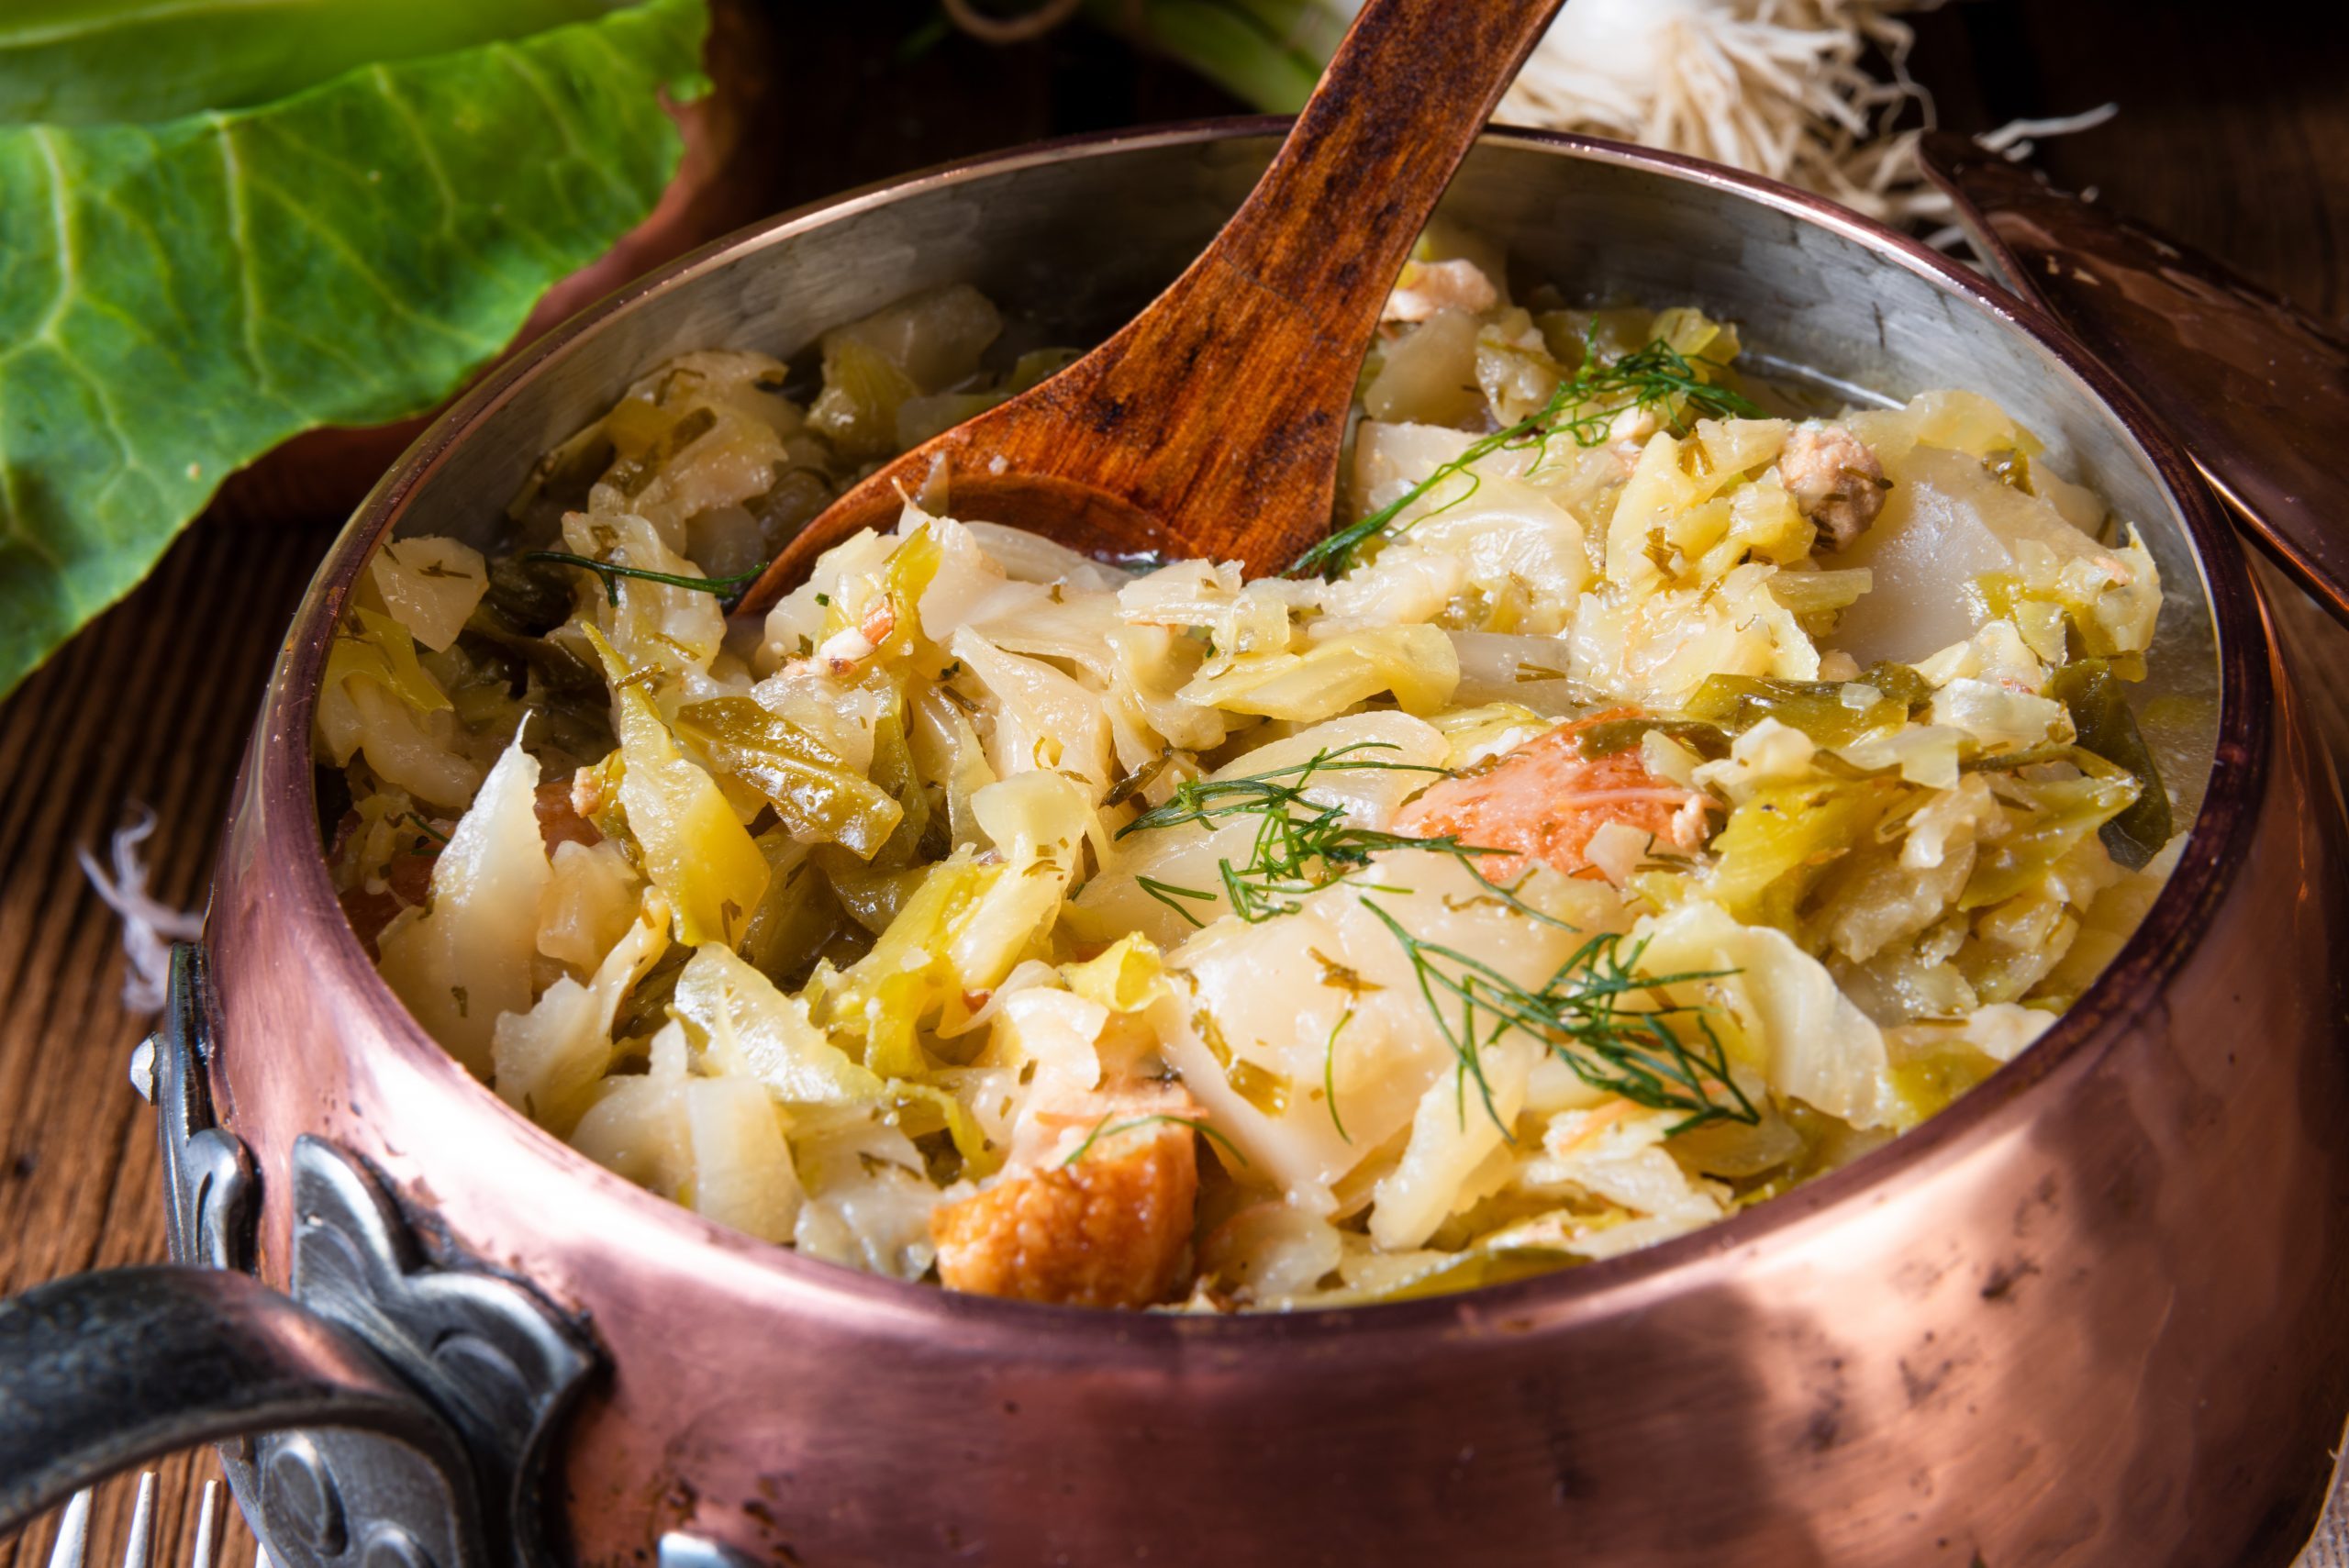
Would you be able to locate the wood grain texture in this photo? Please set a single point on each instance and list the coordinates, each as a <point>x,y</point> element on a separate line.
<point>2235,138</point>
<point>1210,425</point>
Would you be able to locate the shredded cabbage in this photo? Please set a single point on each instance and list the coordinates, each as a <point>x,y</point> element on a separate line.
<point>1642,803</point>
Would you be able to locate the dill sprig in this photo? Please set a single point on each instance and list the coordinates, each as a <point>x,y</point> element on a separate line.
<point>1579,1014</point>
<point>1300,844</point>
<point>1103,1129</point>
<point>612,572</point>
<point>1205,800</point>
<point>1330,1074</point>
<point>1583,408</point>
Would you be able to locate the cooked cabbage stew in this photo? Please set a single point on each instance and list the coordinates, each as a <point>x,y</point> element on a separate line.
<point>1641,804</point>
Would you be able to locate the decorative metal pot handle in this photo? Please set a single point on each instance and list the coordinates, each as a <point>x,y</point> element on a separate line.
<point>393,1410</point>
<point>101,1371</point>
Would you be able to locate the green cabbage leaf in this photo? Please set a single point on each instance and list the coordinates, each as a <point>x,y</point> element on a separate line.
<point>178,297</point>
<point>97,62</point>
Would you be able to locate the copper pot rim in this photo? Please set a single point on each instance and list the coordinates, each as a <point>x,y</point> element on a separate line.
<point>282,783</point>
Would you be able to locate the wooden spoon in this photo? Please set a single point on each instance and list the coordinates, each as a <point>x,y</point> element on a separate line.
<point>1210,425</point>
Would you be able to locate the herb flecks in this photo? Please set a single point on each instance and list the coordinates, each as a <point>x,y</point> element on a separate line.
<point>611,571</point>
<point>1583,408</point>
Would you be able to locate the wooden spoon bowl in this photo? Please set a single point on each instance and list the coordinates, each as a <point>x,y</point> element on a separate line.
<point>1210,425</point>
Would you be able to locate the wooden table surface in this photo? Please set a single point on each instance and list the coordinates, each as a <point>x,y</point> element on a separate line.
<point>2235,139</point>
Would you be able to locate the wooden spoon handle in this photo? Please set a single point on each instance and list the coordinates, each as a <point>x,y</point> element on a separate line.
<point>1220,411</point>
<point>1412,85</point>
<point>1211,424</point>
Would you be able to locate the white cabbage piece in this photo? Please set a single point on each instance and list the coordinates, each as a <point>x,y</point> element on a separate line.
<point>1947,521</point>
<point>1771,751</point>
<point>549,1060</point>
<point>751,430</point>
<point>966,927</point>
<point>695,850</point>
<point>1811,1042</point>
<point>1391,457</point>
<point>1925,754</point>
<point>948,749</point>
<point>1456,1130</point>
<point>869,1198</point>
<point>419,753</point>
<point>845,580</point>
<point>1952,420</point>
<point>742,1171</point>
<point>1473,735</point>
<point>654,626</point>
<point>1042,718</point>
<point>1953,820</point>
<point>1531,673</point>
<point>1031,558</point>
<point>430,584</point>
<point>1415,663</point>
<point>1273,1253</point>
<point>1890,901</point>
<point>840,716</point>
<point>1673,499</point>
<point>1997,652</point>
<point>1038,821</point>
<point>1658,646</point>
<point>1187,593</point>
<point>970,585</point>
<point>1057,1030</point>
<point>1271,996</point>
<point>935,337</point>
<point>1429,376</point>
<point>1615,1152</point>
<point>589,903</point>
<point>747,1028</point>
<point>376,697</point>
<point>465,957</point>
<point>2004,1030</point>
<point>1153,664</point>
<point>2000,718</point>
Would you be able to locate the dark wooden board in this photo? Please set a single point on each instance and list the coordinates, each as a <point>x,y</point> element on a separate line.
<point>2234,137</point>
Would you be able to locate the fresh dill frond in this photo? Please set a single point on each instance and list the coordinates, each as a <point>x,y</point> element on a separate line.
<point>612,572</point>
<point>1166,893</point>
<point>1301,845</point>
<point>1103,1129</point>
<point>1579,1014</point>
<point>1330,1073</point>
<point>1583,408</point>
<point>1205,800</point>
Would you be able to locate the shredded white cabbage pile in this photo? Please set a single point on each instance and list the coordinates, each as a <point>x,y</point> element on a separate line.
<point>1647,802</point>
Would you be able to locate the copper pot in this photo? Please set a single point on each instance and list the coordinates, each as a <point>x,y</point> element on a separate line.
<point>2092,1314</point>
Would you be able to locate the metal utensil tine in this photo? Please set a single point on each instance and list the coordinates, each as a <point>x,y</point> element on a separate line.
<point>262,1558</point>
<point>208,1528</point>
<point>72,1548</point>
<point>142,1548</point>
